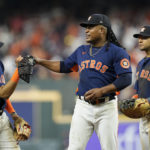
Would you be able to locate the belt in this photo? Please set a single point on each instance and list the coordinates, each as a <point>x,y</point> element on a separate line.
<point>99,100</point>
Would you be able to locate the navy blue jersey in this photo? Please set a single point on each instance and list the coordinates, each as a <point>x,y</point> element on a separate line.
<point>2,79</point>
<point>142,84</point>
<point>100,69</point>
<point>2,82</point>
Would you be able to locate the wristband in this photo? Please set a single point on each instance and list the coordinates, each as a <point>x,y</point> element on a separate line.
<point>13,113</point>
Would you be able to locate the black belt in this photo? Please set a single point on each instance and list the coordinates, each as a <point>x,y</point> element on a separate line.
<point>99,100</point>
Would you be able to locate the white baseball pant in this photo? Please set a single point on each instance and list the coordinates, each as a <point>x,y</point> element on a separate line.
<point>7,141</point>
<point>103,118</point>
<point>145,132</point>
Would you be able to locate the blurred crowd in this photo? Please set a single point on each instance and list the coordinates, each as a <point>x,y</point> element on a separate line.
<point>55,35</point>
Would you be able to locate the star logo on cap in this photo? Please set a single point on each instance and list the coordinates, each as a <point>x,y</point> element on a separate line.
<point>143,29</point>
<point>89,18</point>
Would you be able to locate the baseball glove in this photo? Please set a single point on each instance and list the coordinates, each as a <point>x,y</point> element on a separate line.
<point>22,129</point>
<point>135,108</point>
<point>25,68</point>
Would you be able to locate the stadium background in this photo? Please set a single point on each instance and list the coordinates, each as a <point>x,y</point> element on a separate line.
<point>50,29</point>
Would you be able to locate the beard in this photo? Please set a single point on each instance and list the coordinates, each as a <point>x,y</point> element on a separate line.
<point>93,41</point>
<point>145,48</point>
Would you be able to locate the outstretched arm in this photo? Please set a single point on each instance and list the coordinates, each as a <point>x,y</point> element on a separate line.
<point>51,65</point>
<point>7,89</point>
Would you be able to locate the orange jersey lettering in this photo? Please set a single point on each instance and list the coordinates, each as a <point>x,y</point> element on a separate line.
<point>92,64</point>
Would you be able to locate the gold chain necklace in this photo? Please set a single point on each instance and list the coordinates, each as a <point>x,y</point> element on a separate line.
<point>91,53</point>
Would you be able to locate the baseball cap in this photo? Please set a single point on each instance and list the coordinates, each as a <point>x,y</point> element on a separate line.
<point>145,31</point>
<point>96,19</point>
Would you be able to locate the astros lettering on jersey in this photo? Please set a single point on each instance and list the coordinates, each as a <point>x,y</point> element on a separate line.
<point>92,68</point>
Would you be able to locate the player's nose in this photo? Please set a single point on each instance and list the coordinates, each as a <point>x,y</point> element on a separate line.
<point>140,40</point>
<point>87,30</point>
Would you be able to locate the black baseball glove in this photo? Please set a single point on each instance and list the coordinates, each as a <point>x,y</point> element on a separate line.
<point>25,68</point>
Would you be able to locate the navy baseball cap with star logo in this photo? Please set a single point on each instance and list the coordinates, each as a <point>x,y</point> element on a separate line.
<point>144,32</point>
<point>96,19</point>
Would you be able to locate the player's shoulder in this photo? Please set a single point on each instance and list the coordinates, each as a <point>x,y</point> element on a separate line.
<point>84,46</point>
<point>139,65</point>
<point>143,60</point>
<point>116,48</point>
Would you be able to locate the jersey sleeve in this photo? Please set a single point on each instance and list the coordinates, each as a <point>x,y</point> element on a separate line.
<point>70,64</point>
<point>2,79</point>
<point>9,107</point>
<point>136,87</point>
<point>122,62</point>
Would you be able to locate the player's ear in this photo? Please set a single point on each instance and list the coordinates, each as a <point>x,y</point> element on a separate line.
<point>102,29</point>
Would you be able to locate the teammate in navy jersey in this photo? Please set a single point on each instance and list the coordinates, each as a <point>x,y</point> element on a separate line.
<point>7,140</point>
<point>142,84</point>
<point>104,68</point>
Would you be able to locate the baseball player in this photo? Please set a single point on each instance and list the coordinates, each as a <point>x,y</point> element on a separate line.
<point>7,140</point>
<point>104,68</point>
<point>142,84</point>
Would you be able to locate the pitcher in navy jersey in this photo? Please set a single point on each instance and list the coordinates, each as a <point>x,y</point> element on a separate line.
<point>104,68</point>
<point>142,84</point>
